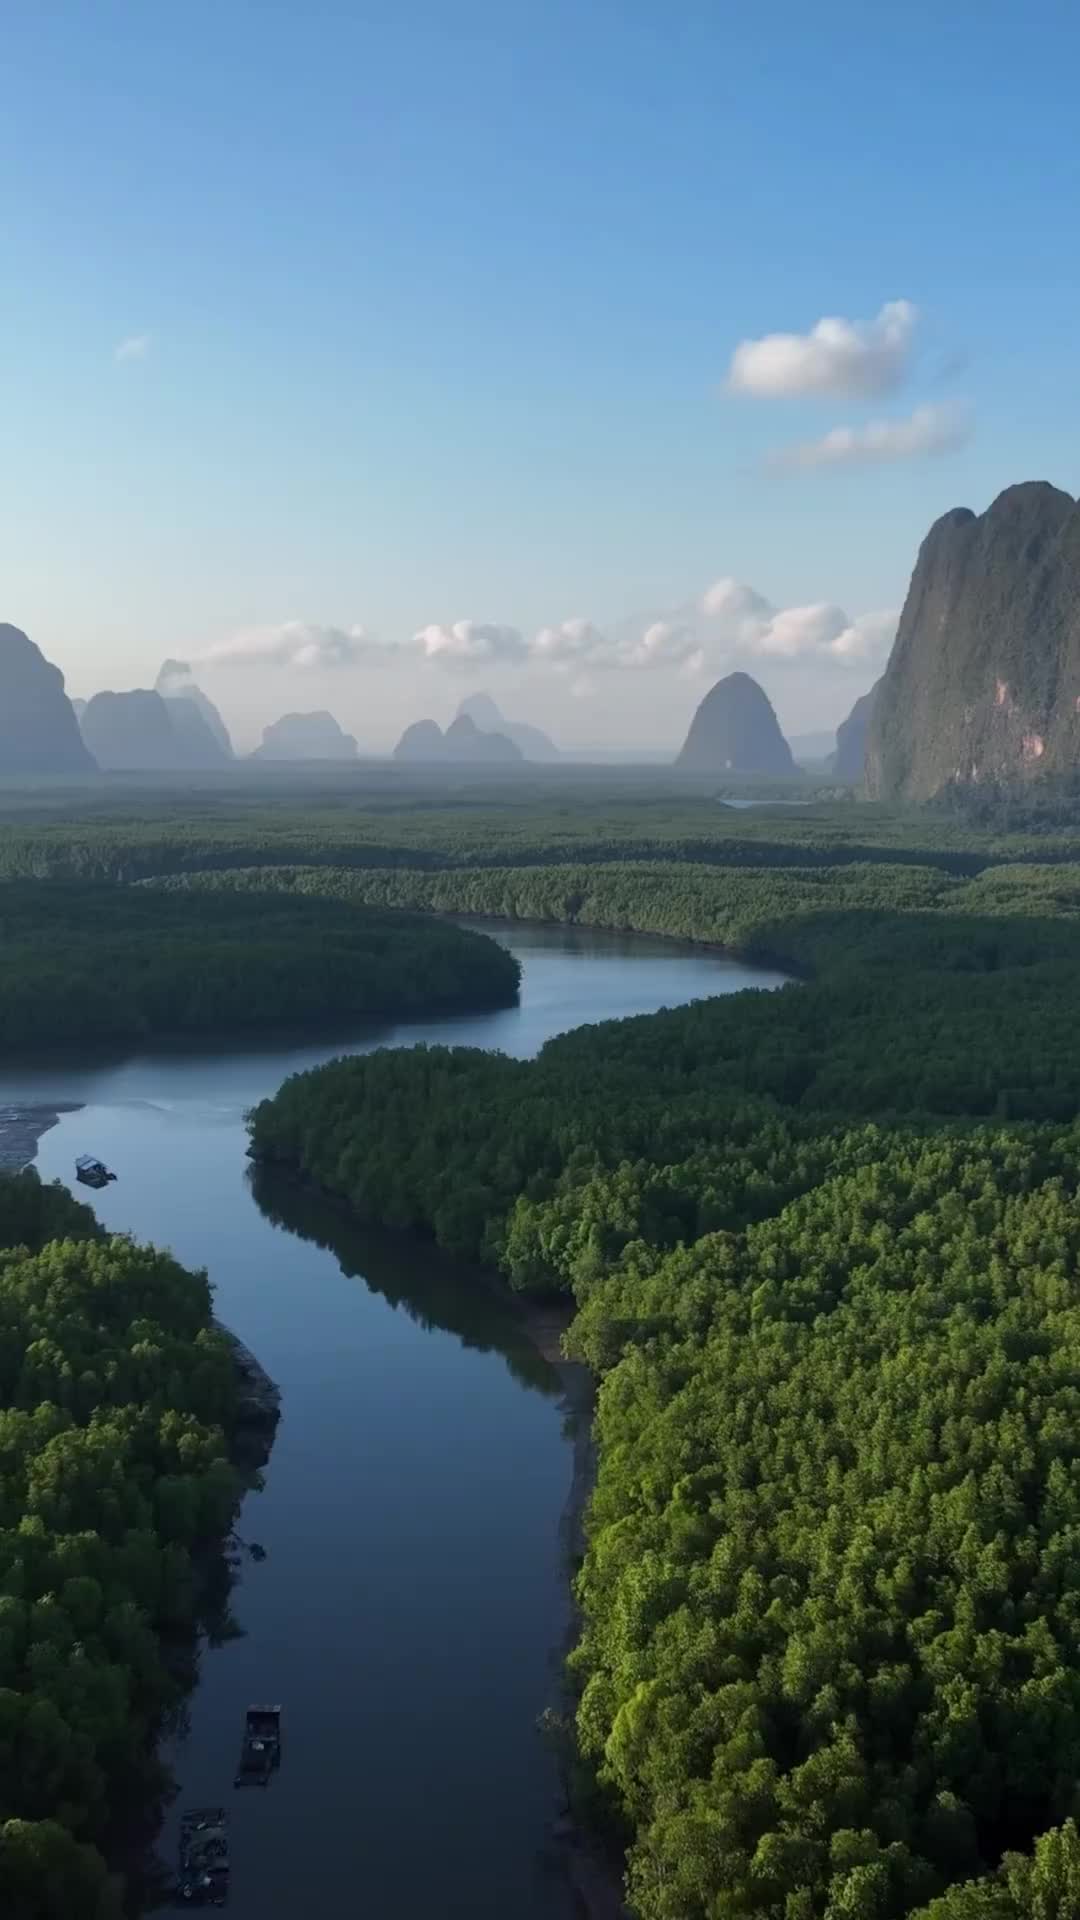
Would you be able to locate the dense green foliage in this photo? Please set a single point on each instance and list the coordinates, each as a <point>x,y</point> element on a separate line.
<point>831,1636</point>
<point>540,819</point>
<point>798,914</point>
<point>1042,1886</point>
<point>931,996</point>
<point>824,1245</point>
<point>102,962</point>
<point>116,1395</point>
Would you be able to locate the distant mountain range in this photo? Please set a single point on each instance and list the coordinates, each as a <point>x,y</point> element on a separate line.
<point>982,686</point>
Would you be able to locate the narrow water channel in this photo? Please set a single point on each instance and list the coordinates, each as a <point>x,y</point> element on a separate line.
<point>412,1601</point>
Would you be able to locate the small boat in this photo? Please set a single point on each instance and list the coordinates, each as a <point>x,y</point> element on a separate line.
<point>261,1751</point>
<point>204,1857</point>
<point>92,1172</point>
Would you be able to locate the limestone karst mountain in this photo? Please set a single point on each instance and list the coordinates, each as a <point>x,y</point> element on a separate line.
<point>849,762</point>
<point>736,731</point>
<point>983,683</point>
<point>176,682</point>
<point>533,742</point>
<point>139,732</point>
<point>463,744</point>
<point>39,731</point>
<point>306,736</point>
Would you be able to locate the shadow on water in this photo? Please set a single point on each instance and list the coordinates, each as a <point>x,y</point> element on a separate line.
<point>438,1293</point>
<point>133,1844</point>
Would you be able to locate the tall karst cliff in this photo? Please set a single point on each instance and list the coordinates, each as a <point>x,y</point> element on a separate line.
<point>984,679</point>
<point>849,761</point>
<point>39,733</point>
<point>138,731</point>
<point>176,683</point>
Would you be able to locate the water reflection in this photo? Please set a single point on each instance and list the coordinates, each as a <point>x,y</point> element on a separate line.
<point>438,1293</point>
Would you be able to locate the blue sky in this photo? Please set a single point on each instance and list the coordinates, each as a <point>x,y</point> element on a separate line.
<point>430,311</point>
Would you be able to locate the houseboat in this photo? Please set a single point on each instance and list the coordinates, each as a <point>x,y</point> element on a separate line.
<point>92,1173</point>
<point>261,1751</point>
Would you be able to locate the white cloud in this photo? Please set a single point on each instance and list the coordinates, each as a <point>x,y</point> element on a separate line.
<point>135,347</point>
<point>577,643</point>
<point>837,356</point>
<point>294,643</point>
<point>470,642</point>
<point>729,599</point>
<point>569,642</point>
<point>793,632</point>
<point>666,643</point>
<point>928,430</point>
<point>738,621</point>
<point>729,622</point>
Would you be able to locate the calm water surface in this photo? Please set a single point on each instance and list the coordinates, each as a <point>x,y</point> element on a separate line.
<point>412,1600</point>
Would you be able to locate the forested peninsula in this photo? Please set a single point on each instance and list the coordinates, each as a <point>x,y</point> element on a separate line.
<point>823,1247</point>
<point>86,962</point>
<point>117,1402</point>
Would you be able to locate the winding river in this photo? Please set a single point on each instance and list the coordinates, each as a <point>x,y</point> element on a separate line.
<point>412,1603</point>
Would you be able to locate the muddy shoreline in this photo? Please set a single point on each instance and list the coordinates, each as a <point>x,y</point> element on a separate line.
<point>21,1127</point>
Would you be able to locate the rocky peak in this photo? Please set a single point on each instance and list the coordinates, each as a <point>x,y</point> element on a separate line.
<point>984,679</point>
<point>735,730</point>
<point>39,733</point>
<point>176,682</point>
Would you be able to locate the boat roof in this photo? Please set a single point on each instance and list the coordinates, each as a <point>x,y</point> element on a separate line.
<point>89,1160</point>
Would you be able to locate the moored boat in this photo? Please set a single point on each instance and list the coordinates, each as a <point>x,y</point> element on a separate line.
<point>261,1751</point>
<point>204,1857</point>
<point>92,1172</point>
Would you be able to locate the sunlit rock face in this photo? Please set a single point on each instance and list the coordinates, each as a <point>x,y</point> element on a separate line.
<point>983,683</point>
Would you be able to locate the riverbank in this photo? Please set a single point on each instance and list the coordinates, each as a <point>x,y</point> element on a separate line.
<point>593,1876</point>
<point>258,1405</point>
<point>21,1127</point>
<point>258,1398</point>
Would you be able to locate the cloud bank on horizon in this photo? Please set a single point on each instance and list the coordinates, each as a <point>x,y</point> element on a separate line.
<point>729,623</point>
<point>292,643</point>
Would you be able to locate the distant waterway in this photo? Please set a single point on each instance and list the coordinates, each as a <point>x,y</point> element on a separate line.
<point>412,1605</point>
